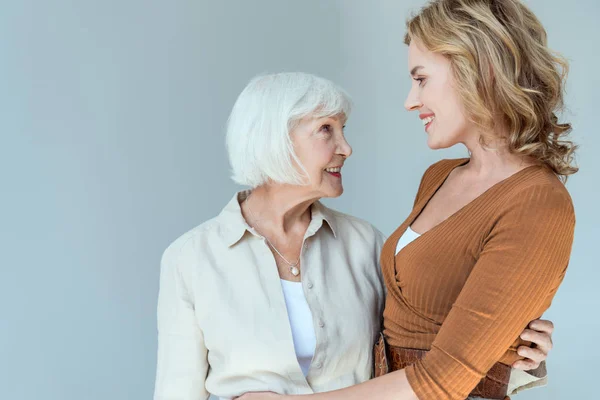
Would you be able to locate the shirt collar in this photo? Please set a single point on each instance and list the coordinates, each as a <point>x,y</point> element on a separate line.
<point>234,226</point>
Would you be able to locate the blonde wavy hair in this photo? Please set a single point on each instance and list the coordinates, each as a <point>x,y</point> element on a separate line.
<point>505,73</point>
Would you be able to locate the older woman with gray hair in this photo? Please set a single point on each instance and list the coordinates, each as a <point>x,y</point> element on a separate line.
<point>278,292</point>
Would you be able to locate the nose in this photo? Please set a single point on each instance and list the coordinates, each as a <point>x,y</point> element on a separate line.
<point>344,148</point>
<point>412,101</point>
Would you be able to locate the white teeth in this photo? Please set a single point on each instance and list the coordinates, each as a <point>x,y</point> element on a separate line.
<point>427,120</point>
<point>334,170</point>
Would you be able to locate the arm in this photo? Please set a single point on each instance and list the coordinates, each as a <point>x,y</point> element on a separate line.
<point>396,385</point>
<point>520,267</point>
<point>182,357</point>
<point>387,387</point>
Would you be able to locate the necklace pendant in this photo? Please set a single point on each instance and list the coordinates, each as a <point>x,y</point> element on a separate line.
<point>295,271</point>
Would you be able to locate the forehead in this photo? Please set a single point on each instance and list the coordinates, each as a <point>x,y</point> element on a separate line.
<point>420,56</point>
<point>311,122</point>
<point>341,118</point>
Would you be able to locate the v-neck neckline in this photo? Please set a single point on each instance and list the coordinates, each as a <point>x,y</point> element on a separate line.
<point>425,201</point>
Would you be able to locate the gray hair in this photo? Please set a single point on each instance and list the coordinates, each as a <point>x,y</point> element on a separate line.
<point>268,109</point>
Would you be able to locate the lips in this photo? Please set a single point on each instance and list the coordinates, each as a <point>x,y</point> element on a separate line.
<point>335,171</point>
<point>427,119</point>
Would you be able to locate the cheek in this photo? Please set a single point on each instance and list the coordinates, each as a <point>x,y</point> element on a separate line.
<point>317,157</point>
<point>456,115</point>
<point>323,153</point>
<point>448,108</point>
<point>454,101</point>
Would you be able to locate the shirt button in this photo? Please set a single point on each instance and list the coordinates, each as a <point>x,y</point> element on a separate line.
<point>318,365</point>
<point>310,285</point>
<point>321,324</point>
<point>305,246</point>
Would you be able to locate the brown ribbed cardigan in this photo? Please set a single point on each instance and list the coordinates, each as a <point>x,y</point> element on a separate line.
<point>468,287</point>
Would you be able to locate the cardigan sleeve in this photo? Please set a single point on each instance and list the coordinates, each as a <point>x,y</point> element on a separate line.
<point>521,264</point>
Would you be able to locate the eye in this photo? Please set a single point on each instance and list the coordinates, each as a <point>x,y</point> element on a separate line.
<point>326,128</point>
<point>420,80</point>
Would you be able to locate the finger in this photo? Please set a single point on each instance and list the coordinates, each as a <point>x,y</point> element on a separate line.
<point>542,325</point>
<point>255,395</point>
<point>533,354</point>
<point>542,340</point>
<point>525,365</point>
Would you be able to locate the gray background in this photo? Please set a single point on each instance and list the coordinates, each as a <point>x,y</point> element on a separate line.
<point>112,119</point>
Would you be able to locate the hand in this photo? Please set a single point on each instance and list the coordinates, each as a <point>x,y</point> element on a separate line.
<point>261,396</point>
<point>539,332</point>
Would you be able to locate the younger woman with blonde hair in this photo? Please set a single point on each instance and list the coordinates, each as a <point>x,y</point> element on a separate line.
<point>488,241</point>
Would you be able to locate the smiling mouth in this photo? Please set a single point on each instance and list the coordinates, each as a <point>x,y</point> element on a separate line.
<point>427,122</point>
<point>336,171</point>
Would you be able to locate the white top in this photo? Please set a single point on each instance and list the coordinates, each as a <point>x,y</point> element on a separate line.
<point>408,236</point>
<point>301,323</point>
<point>223,325</point>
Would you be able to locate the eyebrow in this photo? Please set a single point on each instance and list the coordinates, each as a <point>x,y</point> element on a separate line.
<point>415,69</point>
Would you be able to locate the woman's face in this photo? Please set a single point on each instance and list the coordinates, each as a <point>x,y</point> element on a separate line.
<point>322,149</point>
<point>434,95</point>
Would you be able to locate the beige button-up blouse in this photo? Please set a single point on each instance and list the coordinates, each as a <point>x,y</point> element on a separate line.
<point>222,319</point>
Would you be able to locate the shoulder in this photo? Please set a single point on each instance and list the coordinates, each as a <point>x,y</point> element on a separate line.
<point>360,242</point>
<point>536,202</point>
<point>186,245</point>
<point>436,173</point>
<point>443,167</point>
<point>541,188</point>
<point>349,227</point>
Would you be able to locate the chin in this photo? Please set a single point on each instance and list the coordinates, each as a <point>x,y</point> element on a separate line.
<point>436,144</point>
<point>334,193</point>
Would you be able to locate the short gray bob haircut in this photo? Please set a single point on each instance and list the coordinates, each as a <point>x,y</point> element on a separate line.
<point>258,130</point>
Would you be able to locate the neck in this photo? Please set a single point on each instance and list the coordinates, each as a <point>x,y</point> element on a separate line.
<point>278,209</point>
<point>495,159</point>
